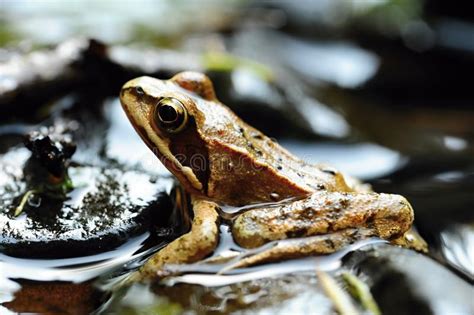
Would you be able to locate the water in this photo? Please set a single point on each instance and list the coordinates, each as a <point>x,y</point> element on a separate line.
<point>76,270</point>
<point>212,275</point>
<point>14,271</point>
<point>130,255</point>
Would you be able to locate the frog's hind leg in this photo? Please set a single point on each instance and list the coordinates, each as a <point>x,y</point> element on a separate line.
<point>385,215</point>
<point>198,243</point>
<point>299,247</point>
<point>319,224</point>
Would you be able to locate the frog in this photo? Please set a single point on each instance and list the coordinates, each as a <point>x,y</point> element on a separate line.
<point>300,208</point>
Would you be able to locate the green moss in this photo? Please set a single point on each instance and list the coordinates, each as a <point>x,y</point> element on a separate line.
<point>7,35</point>
<point>225,62</point>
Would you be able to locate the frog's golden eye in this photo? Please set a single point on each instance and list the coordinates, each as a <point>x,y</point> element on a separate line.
<point>170,115</point>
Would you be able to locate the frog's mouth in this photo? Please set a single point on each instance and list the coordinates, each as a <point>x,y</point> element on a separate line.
<point>159,146</point>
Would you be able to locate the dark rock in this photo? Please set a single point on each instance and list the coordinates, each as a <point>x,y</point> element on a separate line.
<point>406,282</point>
<point>52,150</point>
<point>107,206</point>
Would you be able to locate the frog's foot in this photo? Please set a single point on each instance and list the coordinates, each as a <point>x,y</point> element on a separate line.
<point>300,247</point>
<point>191,247</point>
<point>411,239</point>
<point>384,215</point>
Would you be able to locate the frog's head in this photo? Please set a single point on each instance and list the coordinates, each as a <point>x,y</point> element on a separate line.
<point>204,144</point>
<point>176,119</point>
<point>166,115</point>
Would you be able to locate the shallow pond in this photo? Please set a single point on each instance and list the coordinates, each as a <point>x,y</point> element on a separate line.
<point>346,99</point>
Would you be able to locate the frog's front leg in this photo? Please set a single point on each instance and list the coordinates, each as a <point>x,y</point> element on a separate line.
<point>198,243</point>
<point>325,222</point>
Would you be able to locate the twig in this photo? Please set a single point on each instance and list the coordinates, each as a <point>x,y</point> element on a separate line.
<point>340,298</point>
<point>360,291</point>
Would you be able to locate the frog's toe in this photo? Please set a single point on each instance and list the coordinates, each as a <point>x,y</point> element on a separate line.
<point>393,218</point>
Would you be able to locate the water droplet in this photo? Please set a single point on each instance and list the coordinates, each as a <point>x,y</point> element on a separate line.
<point>274,196</point>
<point>34,200</point>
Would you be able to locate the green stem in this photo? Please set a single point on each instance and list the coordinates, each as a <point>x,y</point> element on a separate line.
<point>340,298</point>
<point>360,291</point>
<point>24,199</point>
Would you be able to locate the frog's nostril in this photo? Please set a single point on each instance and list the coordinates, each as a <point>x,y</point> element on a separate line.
<point>139,90</point>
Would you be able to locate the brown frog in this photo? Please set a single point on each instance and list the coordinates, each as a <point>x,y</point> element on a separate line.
<point>220,160</point>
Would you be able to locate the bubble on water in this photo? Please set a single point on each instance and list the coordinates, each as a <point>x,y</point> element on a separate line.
<point>34,200</point>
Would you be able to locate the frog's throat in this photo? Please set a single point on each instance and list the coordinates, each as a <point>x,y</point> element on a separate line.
<point>165,155</point>
<point>149,136</point>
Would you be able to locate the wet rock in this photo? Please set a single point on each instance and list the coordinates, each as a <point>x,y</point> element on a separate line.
<point>52,150</point>
<point>406,282</point>
<point>456,244</point>
<point>106,206</point>
<point>31,79</point>
<point>441,194</point>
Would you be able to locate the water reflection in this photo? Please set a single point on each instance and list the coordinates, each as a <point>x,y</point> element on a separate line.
<point>196,273</point>
<point>457,246</point>
<point>75,270</point>
<point>7,287</point>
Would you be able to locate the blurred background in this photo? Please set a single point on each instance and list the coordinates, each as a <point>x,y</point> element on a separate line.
<point>380,89</point>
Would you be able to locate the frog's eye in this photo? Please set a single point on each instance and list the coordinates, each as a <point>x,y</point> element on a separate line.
<point>170,115</point>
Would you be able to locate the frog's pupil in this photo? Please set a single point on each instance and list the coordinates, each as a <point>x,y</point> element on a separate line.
<point>167,113</point>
